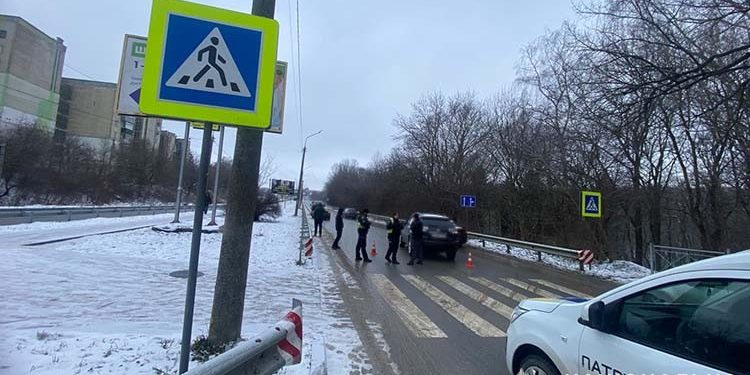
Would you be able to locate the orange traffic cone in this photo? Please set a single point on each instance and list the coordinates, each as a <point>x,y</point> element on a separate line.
<point>373,251</point>
<point>469,262</point>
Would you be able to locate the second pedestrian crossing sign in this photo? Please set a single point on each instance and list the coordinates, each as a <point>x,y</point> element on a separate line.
<point>591,204</point>
<point>209,64</point>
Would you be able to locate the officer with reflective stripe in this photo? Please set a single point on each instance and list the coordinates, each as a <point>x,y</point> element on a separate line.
<point>363,226</point>
<point>394,228</point>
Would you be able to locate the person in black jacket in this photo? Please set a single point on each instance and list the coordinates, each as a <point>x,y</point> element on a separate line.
<point>417,229</point>
<point>319,214</point>
<point>339,228</point>
<point>393,227</point>
<point>363,226</point>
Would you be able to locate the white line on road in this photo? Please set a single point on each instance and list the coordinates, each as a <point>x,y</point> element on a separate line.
<point>414,319</point>
<point>561,288</point>
<point>532,288</point>
<point>478,296</point>
<point>510,293</point>
<point>471,320</point>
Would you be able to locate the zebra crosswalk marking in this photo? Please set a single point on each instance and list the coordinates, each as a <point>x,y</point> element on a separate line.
<point>561,288</point>
<point>510,293</point>
<point>414,319</point>
<point>532,288</point>
<point>478,296</point>
<point>471,320</point>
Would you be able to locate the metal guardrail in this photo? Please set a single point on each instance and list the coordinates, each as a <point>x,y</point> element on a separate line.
<point>666,257</point>
<point>262,354</point>
<point>10,215</point>
<point>508,242</point>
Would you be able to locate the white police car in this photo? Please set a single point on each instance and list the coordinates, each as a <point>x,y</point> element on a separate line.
<point>693,319</point>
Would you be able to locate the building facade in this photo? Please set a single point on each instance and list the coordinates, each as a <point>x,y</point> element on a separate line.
<point>86,111</point>
<point>31,65</point>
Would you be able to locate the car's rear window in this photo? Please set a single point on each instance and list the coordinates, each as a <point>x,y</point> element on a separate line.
<point>438,223</point>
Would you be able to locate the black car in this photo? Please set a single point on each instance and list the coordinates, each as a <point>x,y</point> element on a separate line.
<point>350,213</point>
<point>440,235</point>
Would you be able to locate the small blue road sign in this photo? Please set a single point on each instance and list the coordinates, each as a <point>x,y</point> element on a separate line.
<point>468,201</point>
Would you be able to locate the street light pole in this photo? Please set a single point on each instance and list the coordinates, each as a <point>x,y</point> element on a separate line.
<point>216,177</point>
<point>178,201</point>
<point>301,169</point>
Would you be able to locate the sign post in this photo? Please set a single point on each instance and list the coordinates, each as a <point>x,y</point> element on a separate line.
<point>216,178</point>
<point>591,204</point>
<point>210,65</point>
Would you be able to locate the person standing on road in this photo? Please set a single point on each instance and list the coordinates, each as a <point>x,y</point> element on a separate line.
<point>363,226</point>
<point>393,228</point>
<point>209,200</point>
<point>339,228</point>
<point>319,214</point>
<point>415,246</point>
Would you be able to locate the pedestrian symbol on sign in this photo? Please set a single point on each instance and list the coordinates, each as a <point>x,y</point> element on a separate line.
<point>591,204</point>
<point>210,67</point>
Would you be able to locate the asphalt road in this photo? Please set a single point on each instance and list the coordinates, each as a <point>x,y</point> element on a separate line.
<point>441,317</point>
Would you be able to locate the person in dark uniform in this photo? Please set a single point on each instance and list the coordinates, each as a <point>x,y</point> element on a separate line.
<point>209,200</point>
<point>319,214</point>
<point>339,228</point>
<point>393,227</point>
<point>417,229</point>
<point>363,226</point>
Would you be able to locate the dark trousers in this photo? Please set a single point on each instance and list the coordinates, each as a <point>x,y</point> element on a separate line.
<point>416,250</point>
<point>392,248</point>
<point>338,237</point>
<point>361,247</point>
<point>318,227</point>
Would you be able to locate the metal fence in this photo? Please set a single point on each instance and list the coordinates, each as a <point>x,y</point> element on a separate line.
<point>666,257</point>
<point>11,216</point>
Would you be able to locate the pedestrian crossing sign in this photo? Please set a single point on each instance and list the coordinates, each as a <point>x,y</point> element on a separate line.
<point>591,204</point>
<point>209,64</point>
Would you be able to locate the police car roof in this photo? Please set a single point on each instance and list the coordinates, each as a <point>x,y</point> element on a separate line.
<point>737,261</point>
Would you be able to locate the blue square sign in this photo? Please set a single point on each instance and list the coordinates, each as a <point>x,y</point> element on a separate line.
<point>468,201</point>
<point>210,63</point>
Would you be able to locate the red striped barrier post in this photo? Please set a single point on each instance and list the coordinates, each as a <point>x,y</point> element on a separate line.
<point>585,257</point>
<point>290,348</point>
<point>309,247</point>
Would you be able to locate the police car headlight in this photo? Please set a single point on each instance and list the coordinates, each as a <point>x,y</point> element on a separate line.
<point>517,312</point>
<point>425,228</point>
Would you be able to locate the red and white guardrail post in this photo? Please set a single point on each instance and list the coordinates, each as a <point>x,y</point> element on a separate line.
<point>585,257</point>
<point>290,348</point>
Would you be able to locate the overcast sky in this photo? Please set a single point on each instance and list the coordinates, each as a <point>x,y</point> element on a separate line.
<point>362,62</point>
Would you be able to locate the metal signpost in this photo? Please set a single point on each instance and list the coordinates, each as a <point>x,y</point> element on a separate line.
<point>216,178</point>
<point>591,204</point>
<point>210,65</point>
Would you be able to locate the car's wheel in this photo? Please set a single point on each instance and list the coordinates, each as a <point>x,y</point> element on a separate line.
<point>451,254</point>
<point>536,365</point>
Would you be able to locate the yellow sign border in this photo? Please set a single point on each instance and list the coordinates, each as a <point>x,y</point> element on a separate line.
<point>152,105</point>
<point>585,194</point>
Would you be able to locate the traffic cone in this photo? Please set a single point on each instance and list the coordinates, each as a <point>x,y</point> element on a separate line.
<point>373,251</point>
<point>469,262</point>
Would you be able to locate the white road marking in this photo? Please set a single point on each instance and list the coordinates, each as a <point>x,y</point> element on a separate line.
<point>561,288</point>
<point>478,296</point>
<point>471,320</point>
<point>532,288</point>
<point>414,319</point>
<point>510,293</point>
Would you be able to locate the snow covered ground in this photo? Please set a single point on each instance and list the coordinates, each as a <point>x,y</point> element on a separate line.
<point>618,270</point>
<point>106,303</point>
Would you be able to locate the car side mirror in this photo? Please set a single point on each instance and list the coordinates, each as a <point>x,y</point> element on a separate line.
<point>597,316</point>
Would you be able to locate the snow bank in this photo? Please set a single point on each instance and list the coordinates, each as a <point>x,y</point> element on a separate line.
<point>618,270</point>
<point>106,304</point>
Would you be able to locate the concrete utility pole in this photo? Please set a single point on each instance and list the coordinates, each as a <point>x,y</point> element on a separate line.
<point>231,277</point>
<point>183,155</point>
<point>216,178</point>
<point>301,169</point>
